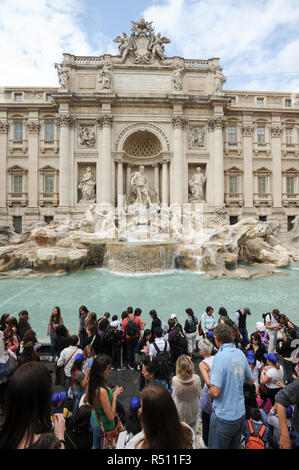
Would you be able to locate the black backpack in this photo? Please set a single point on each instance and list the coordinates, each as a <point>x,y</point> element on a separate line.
<point>132,328</point>
<point>180,343</point>
<point>162,356</point>
<point>108,334</point>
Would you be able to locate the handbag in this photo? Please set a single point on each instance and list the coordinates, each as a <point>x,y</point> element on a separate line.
<point>10,366</point>
<point>60,377</point>
<point>110,437</point>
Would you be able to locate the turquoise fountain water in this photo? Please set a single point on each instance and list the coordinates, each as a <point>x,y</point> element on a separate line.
<point>170,292</point>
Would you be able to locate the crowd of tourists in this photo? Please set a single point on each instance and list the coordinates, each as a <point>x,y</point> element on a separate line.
<point>212,384</point>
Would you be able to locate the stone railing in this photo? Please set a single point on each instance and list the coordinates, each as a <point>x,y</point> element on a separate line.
<point>87,61</point>
<point>290,198</point>
<point>262,198</point>
<point>17,197</point>
<point>48,198</point>
<point>234,198</point>
<point>196,63</point>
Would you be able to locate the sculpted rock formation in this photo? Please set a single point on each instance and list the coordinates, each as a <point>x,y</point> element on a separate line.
<point>99,240</point>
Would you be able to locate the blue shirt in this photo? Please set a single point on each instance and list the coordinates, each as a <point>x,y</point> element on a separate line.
<point>229,371</point>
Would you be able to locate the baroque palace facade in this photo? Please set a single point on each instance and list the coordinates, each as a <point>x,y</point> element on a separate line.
<point>112,114</point>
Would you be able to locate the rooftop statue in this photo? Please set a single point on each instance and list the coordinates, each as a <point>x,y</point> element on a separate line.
<point>143,46</point>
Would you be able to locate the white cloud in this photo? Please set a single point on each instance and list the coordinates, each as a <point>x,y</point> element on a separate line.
<point>33,36</point>
<point>256,37</point>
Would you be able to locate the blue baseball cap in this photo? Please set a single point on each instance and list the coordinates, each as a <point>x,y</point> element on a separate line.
<point>80,357</point>
<point>210,334</point>
<point>57,398</point>
<point>134,403</point>
<point>271,357</point>
<point>250,357</point>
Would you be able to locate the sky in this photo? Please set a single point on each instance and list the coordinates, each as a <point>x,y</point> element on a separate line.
<point>257,41</point>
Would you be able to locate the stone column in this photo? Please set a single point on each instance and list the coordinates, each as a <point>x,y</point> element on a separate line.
<point>276,164</point>
<point>165,182</point>
<point>33,128</point>
<point>65,121</point>
<point>128,176</point>
<point>218,170</point>
<point>210,171</point>
<point>3,165</point>
<point>247,132</point>
<point>157,182</point>
<point>105,182</point>
<point>177,196</point>
<point>120,179</point>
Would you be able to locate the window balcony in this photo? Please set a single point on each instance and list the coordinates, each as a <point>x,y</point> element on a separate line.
<point>262,199</point>
<point>234,198</point>
<point>290,199</point>
<point>46,198</point>
<point>21,198</point>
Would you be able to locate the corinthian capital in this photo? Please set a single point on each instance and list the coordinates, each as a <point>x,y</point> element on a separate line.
<point>216,122</point>
<point>65,121</point>
<point>33,127</point>
<point>105,120</point>
<point>179,122</point>
<point>3,127</point>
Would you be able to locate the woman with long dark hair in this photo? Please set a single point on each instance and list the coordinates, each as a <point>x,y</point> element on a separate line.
<point>102,399</point>
<point>54,321</point>
<point>28,409</point>
<point>83,312</point>
<point>161,425</point>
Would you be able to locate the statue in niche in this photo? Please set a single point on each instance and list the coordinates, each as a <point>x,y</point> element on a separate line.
<point>196,137</point>
<point>177,78</point>
<point>140,194</point>
<point>87,186</point>
<point>196,186</point>
<point>220,79</point>
<point>105,77</point>
<point>63,76</point>
<point>87,136</point>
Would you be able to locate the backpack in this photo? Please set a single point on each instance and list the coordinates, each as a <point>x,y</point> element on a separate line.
<point>255,441</point>
<point>162,355</point>
<point>131,328</point>
<point>180,343</point>
<point>108,333</point>
<point>191,325</point>
<point>264,315</point>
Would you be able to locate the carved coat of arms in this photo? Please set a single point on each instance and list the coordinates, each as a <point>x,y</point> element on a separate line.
<point>143,46</point>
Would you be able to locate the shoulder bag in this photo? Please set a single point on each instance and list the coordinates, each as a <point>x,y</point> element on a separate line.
<point>110,437</point>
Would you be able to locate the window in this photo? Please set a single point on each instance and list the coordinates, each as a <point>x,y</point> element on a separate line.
<point>49,131</point>
<point>48,97</point>
<point>261,134</point>
<point>263,218</point>
<point>288,103</point>
<point>232,184</point>
<point>262,184</point>
<point>289,135</point>
<point>17,223</point>
<point>18,131</point>
<point>18,184</point>
<point>233,100</point>
<point>290,184</point>
<point>49,183</point>
<point>290,222</point>
<point>260,101</point>
<point>233,219</point>
<point>18,96</point>
<point>48,219</point>
<point>232,134</point>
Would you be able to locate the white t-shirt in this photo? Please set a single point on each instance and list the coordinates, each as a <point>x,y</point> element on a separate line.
<point>272,320</point>
<point>160,342</point>
<point>275,375</point>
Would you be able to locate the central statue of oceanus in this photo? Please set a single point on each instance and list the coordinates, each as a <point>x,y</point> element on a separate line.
<point>140,194</point>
